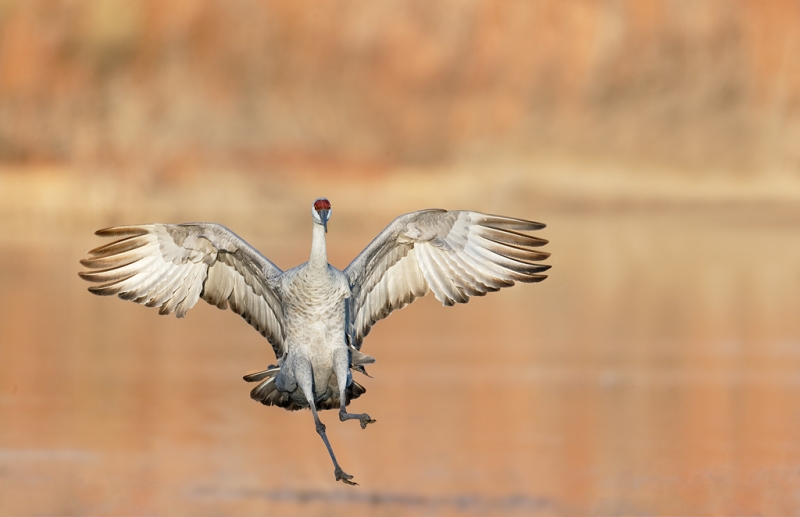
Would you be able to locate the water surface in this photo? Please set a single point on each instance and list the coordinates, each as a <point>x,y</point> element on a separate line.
<point>657,371</point>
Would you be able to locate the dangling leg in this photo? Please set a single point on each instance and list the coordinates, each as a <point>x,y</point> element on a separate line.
<point>341,365</point>
<point>337,470</point>
<point>305,378</point>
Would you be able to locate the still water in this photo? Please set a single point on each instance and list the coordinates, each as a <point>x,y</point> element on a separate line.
<point>657,371</point>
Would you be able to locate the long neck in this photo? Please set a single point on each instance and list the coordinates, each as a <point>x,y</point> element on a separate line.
<point>319,255</point>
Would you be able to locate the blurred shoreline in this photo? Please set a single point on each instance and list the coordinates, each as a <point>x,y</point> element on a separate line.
<point>44,203</point>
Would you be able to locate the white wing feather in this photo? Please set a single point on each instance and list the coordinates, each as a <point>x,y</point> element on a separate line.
<point>173,266</point>
<point>455,254</point>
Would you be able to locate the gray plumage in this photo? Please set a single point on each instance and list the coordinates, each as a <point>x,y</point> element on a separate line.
<point>315,316</point>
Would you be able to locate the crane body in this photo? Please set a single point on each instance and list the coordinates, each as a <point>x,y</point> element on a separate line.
<point>315,316</point>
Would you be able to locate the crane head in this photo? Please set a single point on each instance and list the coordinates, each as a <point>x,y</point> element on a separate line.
<point>321,212</point>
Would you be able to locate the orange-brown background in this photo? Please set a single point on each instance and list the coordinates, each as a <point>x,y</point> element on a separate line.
<point>656,372</point>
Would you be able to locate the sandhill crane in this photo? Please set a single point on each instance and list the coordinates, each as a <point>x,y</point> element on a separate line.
<point>315,316</point>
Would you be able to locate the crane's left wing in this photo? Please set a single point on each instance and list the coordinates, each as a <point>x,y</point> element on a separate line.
<point>172,266</point>
<point>455,254</point>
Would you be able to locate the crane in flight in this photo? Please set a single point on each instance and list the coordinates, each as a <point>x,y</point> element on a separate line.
<point>315,316</point>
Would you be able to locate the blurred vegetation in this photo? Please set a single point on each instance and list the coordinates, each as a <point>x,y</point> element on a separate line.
<point>700,84</point>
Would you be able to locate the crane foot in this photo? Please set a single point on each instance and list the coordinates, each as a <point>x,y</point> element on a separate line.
<point>344,477</point>
<point>363,418</point>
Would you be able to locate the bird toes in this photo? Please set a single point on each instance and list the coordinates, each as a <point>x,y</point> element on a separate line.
<point>344,477</point>
<point>365,419</point>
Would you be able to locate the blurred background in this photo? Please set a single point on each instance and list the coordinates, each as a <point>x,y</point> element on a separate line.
<point>657,370</point>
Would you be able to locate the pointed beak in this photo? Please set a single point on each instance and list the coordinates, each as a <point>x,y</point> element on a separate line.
<point>324,215</point>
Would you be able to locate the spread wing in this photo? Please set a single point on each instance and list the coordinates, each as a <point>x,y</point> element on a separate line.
<point>455,254</point>
<point>172,266</point>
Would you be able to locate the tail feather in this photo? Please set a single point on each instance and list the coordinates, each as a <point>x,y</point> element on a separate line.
<point>271,371</point>
<point>268,393</point>
<point>353,391</point>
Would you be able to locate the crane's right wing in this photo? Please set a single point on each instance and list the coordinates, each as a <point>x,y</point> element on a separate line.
<point>172,266</point>
<point>455,254</point>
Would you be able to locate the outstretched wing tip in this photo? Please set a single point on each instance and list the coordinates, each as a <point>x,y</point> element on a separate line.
<point>131,229</point>
<point>534,279</point>
<point>101,290</point>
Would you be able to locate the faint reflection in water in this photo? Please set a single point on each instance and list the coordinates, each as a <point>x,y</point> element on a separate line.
<point>511,503</point>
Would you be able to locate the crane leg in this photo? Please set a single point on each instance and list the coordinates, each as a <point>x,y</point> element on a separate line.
<point>305,378</point>
<point>340,474</point>
<point>341,365</point>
